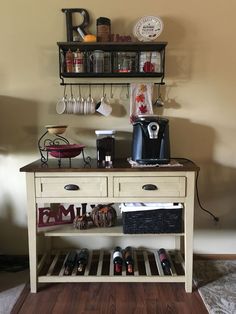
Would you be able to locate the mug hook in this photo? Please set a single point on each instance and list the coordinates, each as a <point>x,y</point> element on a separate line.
<point>65,90</point>
<point>103,91</point>
<point>127,94</point>
<point>111,91</point>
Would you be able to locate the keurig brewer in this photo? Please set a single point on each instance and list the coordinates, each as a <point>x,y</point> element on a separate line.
<point>151,144</point>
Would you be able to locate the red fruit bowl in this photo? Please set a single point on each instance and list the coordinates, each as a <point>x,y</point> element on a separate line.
<point>65,151</point>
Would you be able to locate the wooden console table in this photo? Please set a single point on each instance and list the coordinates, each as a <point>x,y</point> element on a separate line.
<point>46,184</point>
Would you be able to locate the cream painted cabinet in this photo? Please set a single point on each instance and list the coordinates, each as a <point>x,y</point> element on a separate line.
<point>149,186</point>
<point>77,184</point>
<point>68,187</point>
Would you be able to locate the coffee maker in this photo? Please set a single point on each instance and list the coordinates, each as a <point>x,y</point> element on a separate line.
<point>150,143</point>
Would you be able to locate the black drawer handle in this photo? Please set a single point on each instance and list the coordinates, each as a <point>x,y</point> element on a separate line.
<point>149,187</point>
<point>71,187</point>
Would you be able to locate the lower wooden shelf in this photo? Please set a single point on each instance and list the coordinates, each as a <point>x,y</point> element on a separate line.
<point>114,231</point>
<point>147,268</point>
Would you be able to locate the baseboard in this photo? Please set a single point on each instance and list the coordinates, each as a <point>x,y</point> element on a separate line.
<point>214,256</point>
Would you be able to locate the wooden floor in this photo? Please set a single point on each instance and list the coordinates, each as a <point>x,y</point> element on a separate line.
<point>110,298</point>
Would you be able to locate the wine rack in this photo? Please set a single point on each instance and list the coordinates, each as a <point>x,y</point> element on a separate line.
<point>100,268</point>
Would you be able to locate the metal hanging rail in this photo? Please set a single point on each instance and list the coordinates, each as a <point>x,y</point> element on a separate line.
<point>103,84</point>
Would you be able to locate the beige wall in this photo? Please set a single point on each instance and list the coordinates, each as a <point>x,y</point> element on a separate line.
<point>199,94</point>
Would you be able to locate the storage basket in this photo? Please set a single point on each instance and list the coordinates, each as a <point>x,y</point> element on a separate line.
<point>159,220</point>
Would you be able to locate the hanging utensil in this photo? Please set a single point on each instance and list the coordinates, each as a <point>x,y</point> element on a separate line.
<point>159,101</point>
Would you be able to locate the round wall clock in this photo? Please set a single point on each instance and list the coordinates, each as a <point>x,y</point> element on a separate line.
<point>148,28</point>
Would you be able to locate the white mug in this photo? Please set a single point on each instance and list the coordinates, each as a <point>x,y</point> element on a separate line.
<point>103,107</point>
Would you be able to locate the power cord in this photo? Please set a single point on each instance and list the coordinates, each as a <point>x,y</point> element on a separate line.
<point>216,219</point>
<point>199,202</point>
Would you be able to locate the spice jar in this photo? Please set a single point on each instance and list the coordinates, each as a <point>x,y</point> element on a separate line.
<point>103,29</point>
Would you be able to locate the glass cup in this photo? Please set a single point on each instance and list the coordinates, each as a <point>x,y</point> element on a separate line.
<point>125,62</point>
<point>97,58</point>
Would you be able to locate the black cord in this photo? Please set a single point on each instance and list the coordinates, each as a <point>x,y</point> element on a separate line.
<point>199,203</point>
<point>197,195</point>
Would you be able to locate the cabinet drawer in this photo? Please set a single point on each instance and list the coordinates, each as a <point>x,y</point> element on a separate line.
<point>71,187</point>
<point>149,186</point>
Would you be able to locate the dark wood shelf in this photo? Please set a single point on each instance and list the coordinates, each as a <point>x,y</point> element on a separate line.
<point>113,46</point>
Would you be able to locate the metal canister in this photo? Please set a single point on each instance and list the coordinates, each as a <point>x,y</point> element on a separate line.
<point>103,29</point>
<point>78,61</point>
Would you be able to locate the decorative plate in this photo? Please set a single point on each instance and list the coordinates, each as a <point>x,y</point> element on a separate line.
<point>65,151</point>
<point>148,28</point>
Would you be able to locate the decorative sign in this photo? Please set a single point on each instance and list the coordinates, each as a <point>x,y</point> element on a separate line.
<point>120,38</point>
<point>50,217</point>
<point>148,28</point>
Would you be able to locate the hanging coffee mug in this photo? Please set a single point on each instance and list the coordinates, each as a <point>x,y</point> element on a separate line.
<point>103,107</point>
<point>97,58</point>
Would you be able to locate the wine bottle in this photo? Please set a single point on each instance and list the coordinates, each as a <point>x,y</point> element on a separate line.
<point>70,262</point>
<point>117,260</point>
<point>165,263</point>
<point>129,260</point>
<point>82,259</point>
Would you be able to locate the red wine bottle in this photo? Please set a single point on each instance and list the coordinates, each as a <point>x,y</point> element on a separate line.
<point>117,260</point>
<point>82,259</point>
<point>165,263</point>
<point>129,260</point>
<point>70,262</point>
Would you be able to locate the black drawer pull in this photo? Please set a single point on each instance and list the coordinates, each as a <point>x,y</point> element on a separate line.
<point>71,187</point>
<point>149,187</point>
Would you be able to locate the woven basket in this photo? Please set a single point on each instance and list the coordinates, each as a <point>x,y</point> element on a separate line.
<point>153,221</point>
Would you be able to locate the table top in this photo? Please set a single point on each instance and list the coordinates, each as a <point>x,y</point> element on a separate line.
<point>78,165</point>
